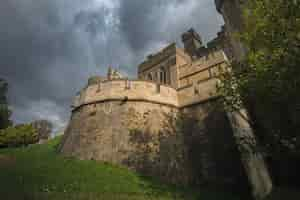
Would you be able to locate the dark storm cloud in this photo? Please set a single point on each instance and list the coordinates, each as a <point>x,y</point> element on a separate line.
<point>141,21</point>
<point>145,22</point>
<point>49,48</point>
<point>44,54</point>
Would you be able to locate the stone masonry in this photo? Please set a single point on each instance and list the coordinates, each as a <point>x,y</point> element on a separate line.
<point>168,123</point>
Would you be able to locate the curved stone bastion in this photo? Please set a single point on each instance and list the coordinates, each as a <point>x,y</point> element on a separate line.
<point>126,90</point>
<point>139,124</point>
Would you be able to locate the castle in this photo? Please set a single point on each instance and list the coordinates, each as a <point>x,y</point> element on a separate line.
<point>167,123</point>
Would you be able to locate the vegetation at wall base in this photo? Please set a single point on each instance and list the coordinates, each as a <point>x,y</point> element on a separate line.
<point>39,172</point>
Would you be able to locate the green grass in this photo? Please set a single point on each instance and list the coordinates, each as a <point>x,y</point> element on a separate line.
<point>39,172</point>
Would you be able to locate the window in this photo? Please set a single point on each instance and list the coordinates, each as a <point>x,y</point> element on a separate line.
<point>163,76</point>
<point>150,78</point>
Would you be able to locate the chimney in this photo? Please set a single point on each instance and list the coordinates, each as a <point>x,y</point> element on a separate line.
<point>192,42</point>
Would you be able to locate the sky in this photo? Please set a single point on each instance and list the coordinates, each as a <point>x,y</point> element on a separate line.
<point>49,48</point>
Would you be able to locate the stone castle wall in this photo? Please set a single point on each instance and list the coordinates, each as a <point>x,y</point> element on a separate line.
<point>168,124</point>
<point>168,59</point>
<point>152,132</point>
<point>101,131</point>
<point>126,90</point>
<point>198,80</point>
<point>194,146</point>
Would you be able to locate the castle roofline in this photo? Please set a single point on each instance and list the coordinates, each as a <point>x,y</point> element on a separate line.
<point>165,53</point>
<point>152,59</point>
<point>169,48</point>
<point>191,33</point>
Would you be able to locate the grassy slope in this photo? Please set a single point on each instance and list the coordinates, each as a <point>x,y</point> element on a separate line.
<point>38,172</point>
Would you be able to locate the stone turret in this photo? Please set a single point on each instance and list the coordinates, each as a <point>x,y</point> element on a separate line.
<point>113,74</point>
<point>192,42</point>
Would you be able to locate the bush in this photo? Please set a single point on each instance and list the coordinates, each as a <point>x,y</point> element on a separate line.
<point>20,135</point>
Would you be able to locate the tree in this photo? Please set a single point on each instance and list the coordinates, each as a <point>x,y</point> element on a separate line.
<point>4,110</point>
<point>20,135</point>
<point>267,81</point>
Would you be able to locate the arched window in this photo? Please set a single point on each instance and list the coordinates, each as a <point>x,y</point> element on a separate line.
<point>163,76</point>
<point>150,78</point>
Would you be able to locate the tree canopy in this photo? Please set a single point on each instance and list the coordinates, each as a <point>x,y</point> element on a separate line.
<point>267,81</point>
<point>20,135</point>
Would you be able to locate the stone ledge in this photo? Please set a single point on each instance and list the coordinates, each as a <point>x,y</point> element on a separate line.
<point>121,100</point>
<point>144,91</point>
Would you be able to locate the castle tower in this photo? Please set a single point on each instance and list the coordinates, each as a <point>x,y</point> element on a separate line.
<point>192,42</point>
<point>110,115</point>
<point>113,74</point>
<point>162,67</point>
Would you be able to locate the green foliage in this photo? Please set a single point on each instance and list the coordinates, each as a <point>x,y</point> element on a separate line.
<point>19,135</point>
<point>4,110</point>
<point>38,172</point>
<point>267,81</point>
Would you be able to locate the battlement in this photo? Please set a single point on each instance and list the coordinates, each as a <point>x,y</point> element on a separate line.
<point>126,90</point>
<point>211,60</point>
<point>195,81</point>
<point>153,59</point>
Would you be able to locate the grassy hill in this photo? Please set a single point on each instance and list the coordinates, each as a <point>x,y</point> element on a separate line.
<point>38,172</point>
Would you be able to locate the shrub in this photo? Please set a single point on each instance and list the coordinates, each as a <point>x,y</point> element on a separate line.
<point>20,135</point>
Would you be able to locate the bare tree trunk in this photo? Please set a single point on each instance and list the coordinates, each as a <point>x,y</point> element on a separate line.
<point>252,158</point>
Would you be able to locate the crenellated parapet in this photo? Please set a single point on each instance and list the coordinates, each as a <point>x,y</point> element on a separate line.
<point>126,90</point>
<point>196,83</point>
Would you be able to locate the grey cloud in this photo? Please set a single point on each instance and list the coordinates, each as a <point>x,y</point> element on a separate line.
<point>49,48</point>
<point>145,22</point>
<point>43,54</point>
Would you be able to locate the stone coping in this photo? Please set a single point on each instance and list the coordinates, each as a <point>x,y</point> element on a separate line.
<point>212,98</point>
<point>131,80</point>
<point>134,91</point>
<point>127,89</point>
